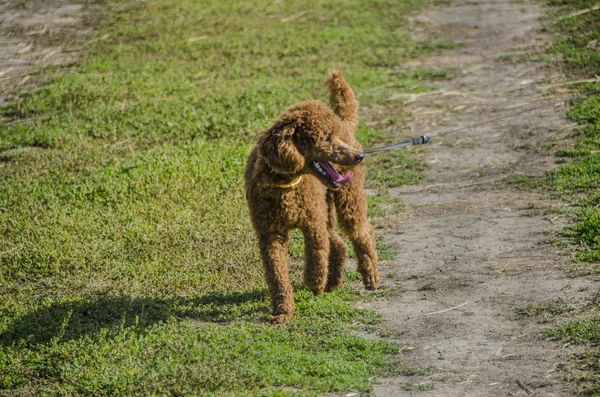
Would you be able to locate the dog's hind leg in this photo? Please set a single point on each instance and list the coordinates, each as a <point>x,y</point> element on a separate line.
<point>338,252</point>
<point>360,233</point>
<point>274,252</point>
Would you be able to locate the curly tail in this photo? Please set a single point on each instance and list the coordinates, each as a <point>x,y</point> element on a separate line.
<point>341,98</point>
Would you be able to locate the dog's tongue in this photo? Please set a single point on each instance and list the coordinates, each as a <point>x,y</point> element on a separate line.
<point>346,178</point>
<point>334,175</point>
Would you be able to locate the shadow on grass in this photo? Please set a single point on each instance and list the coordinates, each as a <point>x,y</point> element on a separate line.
<point>75,319</point>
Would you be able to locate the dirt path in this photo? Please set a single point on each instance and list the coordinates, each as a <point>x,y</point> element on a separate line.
<point>464,238</point>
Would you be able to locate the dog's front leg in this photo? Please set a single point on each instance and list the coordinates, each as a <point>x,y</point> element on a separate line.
<point>351,205</point>
<point>274,252</point>
<point>363,243</point>
<point>316,253</point>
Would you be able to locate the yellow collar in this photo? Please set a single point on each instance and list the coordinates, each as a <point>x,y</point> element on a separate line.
<point>291,184</point>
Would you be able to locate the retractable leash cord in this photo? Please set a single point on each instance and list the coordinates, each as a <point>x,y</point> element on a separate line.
<point>423,139</point>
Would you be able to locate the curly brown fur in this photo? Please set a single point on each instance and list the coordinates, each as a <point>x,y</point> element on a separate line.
<point>305,134</point>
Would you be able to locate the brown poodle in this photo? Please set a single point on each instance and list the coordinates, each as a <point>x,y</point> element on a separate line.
<point>292,182</point>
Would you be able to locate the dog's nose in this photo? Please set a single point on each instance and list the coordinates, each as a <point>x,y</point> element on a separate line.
<point>359,157</point>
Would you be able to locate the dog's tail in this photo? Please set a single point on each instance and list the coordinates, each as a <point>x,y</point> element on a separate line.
<point>341,98</point>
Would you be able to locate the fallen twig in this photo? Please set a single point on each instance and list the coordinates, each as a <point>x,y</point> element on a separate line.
<point>580,12</point>
<point>519,47</point>
<point>51,54</point>
<point>89,43</point>
<point>2,73</point>
<point>527,71</point>
<point>522,386</point>
<point>533,100</point>
<point>413,96</point>
<point>291,18</point>
<point>194,39</point>
<point>458,186</point>
<point>25,49</point>
<point>19,75</point>
<point>38,32</point>
<point>594,80</point>
<point>481,182</point>
<point>18,247</point>
<point>446,310</point>
<point>25,79</point>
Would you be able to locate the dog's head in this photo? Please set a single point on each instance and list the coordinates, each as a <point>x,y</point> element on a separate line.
<point>308,139</point>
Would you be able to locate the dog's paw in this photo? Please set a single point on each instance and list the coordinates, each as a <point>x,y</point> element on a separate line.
<point>280,318</point>
<point>316,289</point>
<point>316,286</point>
<point>371,282</point>
<point>333,285</point>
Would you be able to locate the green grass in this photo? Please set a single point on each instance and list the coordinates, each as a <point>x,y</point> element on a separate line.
<point>577,48</point>
<point>583,369</point>
<point>581,331</point>
<point>579,179</point>
<point>578,182</point>
<point>112,346</point>
<point>127,262</point>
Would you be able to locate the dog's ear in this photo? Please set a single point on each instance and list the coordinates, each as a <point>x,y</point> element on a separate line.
<point>277,148</point>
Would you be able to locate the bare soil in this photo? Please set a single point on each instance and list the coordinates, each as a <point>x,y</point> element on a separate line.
<point>34,35</point>
<point>468,238</point>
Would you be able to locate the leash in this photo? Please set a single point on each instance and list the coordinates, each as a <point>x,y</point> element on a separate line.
<point>423,139</point>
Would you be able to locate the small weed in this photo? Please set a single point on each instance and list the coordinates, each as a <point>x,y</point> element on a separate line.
<point>428,286</point>
<point>581,269</point>
<point>418,371</point>
<point>350,276</point>
<point>384,250</point>
<point>523,181</point>
<point>381,204</point>
<point>418,386</point>
<point>389,333</point>
<point>384,292</point>
<point>555,307</point>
